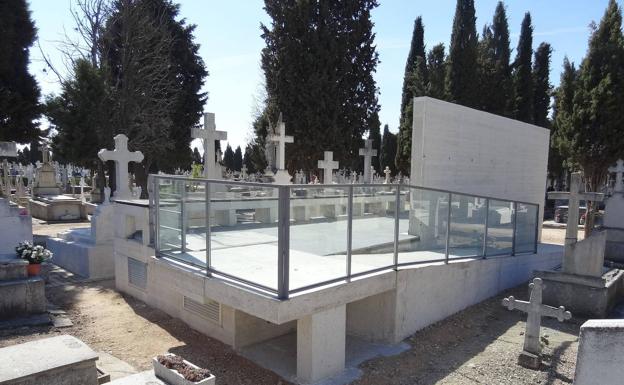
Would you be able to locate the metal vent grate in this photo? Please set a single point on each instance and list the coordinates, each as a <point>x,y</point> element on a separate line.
<point>137,273</point>
<point>211,310</point>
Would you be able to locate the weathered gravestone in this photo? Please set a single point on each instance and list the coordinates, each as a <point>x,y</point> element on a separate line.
<point>328,165</point>
<point>280,139</point>
<point>530,356</point>
<point>209,135</point>
<point>368,152</point>
<point>122,157</point>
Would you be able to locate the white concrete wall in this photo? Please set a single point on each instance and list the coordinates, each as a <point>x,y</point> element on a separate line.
<point>600,358</point>
<point>461,149</point>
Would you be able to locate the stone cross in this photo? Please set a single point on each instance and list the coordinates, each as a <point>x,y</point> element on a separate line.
<point>328,165</point>
<point>574,197</point>
<point>281,139</point>
<point>244,172</point>
<point>45,153</point>
<point>388,173</point>
<point>121,156</point>
<point>619,171</point>
<point>368,152</point>
<point>535,310</point>
<point>209,134</point>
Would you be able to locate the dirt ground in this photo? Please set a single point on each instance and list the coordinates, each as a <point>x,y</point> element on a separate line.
<point>479,345</point>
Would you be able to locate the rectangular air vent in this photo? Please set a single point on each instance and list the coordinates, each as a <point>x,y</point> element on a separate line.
<point>137,273</point>
<point>211,310</point>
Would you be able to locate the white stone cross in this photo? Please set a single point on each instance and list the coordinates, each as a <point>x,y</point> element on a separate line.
<point>328,165</point>
<point>619,171</point>
<point>208,135</point>
<point>45,153</point>
<point>121,156</point>
<point>281,139</point>
<point>388,172</point>
<point>574,198</point>
<point>536,310</point>
<point>368,152</point>
<point>244,171</point>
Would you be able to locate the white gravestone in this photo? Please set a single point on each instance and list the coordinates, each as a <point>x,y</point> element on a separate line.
<point>280,139</point>
<point>121,156</point>
<point>535,310</point>
<point>368,152</point>
<point>328,165</point>
<point>388,173</point>
<point>208,135</point>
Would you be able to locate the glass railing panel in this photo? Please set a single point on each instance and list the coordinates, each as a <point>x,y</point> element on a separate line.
<point>423,219</point>
<point>195,219</point>
<point>318,235</point>
<point>500,228</point>
<point>526,224</point>
<point>169,216</point>
<point>373,227</point>
<point>244,228</point>
<point>467,226</point>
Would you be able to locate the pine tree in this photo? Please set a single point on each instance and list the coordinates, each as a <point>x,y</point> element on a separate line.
<point>375,135</point>
<point>563,108</point>
<point>415,82</point>
<point>462,80</point>
<point>543,88</point>
<point>388,150</point>
<point>523,88</point>
<point>436,68</point>
<point>19,92</point>
<point>228,158</point>
<point>323,85</point>
<point>238,159</point>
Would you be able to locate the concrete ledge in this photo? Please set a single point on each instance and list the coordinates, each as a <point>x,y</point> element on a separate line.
<point>58,360</point>
<point>22,297</point>
<point>600,359</point>
<point>13,269</point>
<point>88,260</point>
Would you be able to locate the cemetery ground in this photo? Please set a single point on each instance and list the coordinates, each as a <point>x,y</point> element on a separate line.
<point>479,345</point>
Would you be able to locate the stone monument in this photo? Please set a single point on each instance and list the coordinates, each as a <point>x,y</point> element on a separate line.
<point>613,220</point>
<point>212,170</point>
<point>280,139</point>
<point>582,284</point>
<point>122,157</point>
<point>368,152</point>
<point>328,165</point>
<point>530,356</point>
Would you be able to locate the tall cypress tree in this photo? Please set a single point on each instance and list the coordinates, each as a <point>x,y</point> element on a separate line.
<point>228,158</point>
<point>388,150</point>
<point>318,63</point>
<point>462,80</point>
<point>543,88</point>
<point>563,109</point>
<point>436,68</point>
<point>238,159</point>
<point>415,82</point>
<point>19,92</point>
<point>375,136</point>
<point>523,88</point>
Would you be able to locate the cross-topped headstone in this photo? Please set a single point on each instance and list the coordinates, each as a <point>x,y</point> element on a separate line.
<point>208,135</point>
<point>388,173</point>
<point>244,171</point>
<point>121,156</point>
<point>45,153</point>
<point>328,165</point>
<point>535,310</point>
<point>368,152</point>
<point>574,198</point>
<point>281,139</point>
<point>619,171</point>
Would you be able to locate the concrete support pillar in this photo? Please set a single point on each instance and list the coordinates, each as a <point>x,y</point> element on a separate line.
<point>321,339</point>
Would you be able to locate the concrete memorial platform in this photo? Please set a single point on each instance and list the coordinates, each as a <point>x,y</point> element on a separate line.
<point>600,358</point>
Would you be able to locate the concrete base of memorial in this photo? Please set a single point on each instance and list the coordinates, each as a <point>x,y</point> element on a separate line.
<point>383,308</point>
<point>57,208</point>
<point>600,358</point>
<point>75,251</point>
<point>20,295</point>
<point>614,250</point>
<point>583,295</point>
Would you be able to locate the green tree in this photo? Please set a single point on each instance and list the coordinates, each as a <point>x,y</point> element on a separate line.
<point>318,64</point>
<point>415,81</point>
<point>543,88</point>
<point>388,150</point>
<point>19,92</point>
<point>563,109</point>
<point>228,158</point>
<point>375,135</point>
<point>593,139</point>
<point>462,80</point>
<point>436,69</point>
<point>523,89</point>
<point>238,159</point>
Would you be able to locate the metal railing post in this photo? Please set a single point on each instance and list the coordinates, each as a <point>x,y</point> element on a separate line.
<point>283,242</point>
<point>183,217</point>
<point>349,231</point>
<point>156,192</point>
<point>208,230</point>
<point>448,229</point>
<point>487,223</point>
<point>397,208</point>
<point>515,220</point>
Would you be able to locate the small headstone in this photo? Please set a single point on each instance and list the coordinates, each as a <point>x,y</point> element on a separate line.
<point>530,356</point>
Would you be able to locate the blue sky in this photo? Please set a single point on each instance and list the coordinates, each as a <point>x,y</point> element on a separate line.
<point>229,35</point>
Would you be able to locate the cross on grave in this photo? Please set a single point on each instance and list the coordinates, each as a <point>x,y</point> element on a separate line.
<point>45,153</point>
<point>619,171</point>
<point>244,172</point>
<point>573,197</point>
<point>281,139</point>
<point>208,135</point>
<point>328,165</point>
<point>368,152</point>
<point>121,156</point>
<point>535,310</point>
<point>388,172</point>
